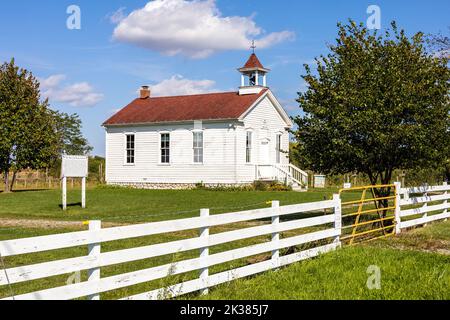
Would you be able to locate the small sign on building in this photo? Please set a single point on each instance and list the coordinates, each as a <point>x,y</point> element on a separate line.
<point>74,167</point>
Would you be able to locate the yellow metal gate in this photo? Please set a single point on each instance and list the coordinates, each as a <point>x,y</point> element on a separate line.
<point>363,218</point>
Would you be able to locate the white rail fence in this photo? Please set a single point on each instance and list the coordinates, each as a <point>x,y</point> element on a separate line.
<point>95,259</point>
<point>414,206</point>
<point>421,205</point>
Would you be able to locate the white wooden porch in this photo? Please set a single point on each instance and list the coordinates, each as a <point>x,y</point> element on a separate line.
<point>284,173</point>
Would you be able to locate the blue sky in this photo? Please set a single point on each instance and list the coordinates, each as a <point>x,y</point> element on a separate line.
<point>97,70</point>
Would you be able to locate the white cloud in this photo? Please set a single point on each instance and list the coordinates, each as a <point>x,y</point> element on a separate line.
<point>117,16</point>
<point>177,85</point>
<point>79,94</point>
<point>195,29</point>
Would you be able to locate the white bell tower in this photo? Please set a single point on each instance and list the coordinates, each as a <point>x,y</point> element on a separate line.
<point>253,75</point>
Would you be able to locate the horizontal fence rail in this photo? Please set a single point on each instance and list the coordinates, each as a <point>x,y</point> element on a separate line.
<point>95,260</point>
<point>421,205</point>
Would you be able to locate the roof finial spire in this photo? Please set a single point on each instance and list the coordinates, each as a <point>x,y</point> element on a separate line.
<point>253,47</point>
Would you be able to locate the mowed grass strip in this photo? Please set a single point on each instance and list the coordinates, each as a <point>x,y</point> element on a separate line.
<point>343,275</point>
<point>123,205</point>
<point>414,265</point>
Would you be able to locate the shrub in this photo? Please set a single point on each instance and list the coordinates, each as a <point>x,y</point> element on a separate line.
<point>260,186</point>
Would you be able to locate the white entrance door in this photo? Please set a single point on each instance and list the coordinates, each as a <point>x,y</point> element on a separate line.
<point>265,169</point>
<point>264,152</point>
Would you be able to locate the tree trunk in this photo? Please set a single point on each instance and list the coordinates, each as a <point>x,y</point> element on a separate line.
<point>6,175</point>
<point>382,192</point>
<point>13,181</point>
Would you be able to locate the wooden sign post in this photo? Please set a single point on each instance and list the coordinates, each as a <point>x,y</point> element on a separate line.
<point>74,167</point>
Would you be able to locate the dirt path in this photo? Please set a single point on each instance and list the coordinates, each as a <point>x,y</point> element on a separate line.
<point>51,224</point>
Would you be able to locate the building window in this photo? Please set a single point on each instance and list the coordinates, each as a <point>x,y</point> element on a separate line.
<point>198,147</point>
<point>278,148</point>
<point>130,148</point>
<point>165,148</point>
<point>249,143</point>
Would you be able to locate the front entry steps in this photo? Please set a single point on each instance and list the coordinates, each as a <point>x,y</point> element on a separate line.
<point>298,188</point>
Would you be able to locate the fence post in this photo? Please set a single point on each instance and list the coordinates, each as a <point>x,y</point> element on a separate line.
<point>94,250</point>
<point>445,202</point>
<point>83,192</point>
<point>275,235</point>
<point>337,218</point>
<point>204,253</point>
<point>398,219</point>
<point>64,193</point>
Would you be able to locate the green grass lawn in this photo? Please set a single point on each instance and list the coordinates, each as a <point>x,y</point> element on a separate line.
<point>129,205</point>
<point>343,275</point>
<point>409,270</point>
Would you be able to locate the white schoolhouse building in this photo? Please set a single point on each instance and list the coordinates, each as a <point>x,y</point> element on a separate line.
<point>218,139</point>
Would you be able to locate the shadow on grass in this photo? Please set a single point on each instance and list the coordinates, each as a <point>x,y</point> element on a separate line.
<point>24,191</point>
<point>70,205</point>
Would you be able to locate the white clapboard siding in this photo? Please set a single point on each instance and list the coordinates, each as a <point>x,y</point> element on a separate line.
<point>425,209</point>
<point>66,240</point>
<point>48,269</point>
<point>124,280</point>
<point>424,220</point>
<point>223,277</point>
<point>218,154</point>
<point>423,199</point>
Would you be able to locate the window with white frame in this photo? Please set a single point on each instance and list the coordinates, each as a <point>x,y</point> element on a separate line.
<point>278,148</point>
<point>130,148</point>
<point>165,148</point>
<point>249,146</point>
<point>198,146</point>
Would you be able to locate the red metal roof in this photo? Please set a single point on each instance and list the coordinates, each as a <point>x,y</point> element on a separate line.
<point>253,62</point>
<point>213,106</point>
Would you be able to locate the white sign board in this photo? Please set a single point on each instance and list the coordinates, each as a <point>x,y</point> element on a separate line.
<point>319,181</point>
<point>74,167</point>
<point>347,185</point>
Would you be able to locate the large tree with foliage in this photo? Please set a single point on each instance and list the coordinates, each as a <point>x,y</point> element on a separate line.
<point>32,135</point>
<point>440,46</point>
<point>71,138</point>
<point>27,126</point>
<point>375,103</point>
<point>440,43</point>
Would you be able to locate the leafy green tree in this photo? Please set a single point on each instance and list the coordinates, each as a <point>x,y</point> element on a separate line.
<point>27,127</point>
<point>72,141</point>
<point>375,103</point>
<point>32,135</point>
<point>440,43</point>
